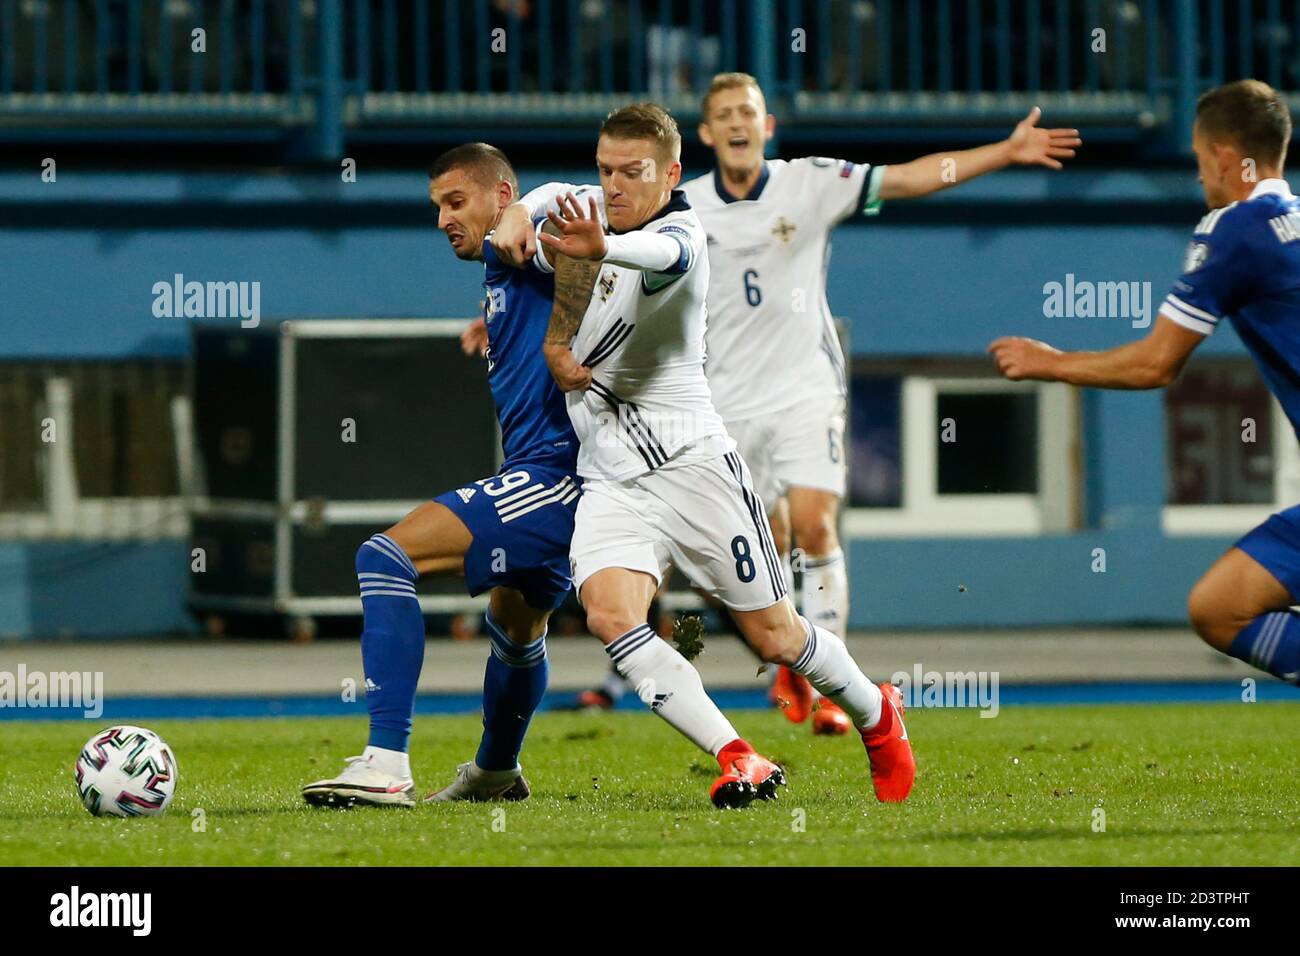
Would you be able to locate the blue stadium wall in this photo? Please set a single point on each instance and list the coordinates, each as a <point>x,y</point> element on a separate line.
<point>943,275</point>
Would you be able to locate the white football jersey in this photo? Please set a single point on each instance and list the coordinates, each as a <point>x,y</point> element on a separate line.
<point>643,338</point>
<point>771,339</point>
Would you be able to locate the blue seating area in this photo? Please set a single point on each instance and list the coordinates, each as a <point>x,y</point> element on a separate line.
<point>313,76</point>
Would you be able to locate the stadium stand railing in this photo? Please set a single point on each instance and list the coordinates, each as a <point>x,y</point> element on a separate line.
<point>314,75</point>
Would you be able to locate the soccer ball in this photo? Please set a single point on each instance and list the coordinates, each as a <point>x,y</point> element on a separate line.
<point>126,772</point>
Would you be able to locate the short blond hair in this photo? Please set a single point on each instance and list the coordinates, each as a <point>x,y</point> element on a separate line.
<point>645,121</point>
<point>727,81</point>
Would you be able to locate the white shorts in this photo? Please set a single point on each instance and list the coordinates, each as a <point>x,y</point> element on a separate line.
<point>703,518</point>
<point>800,446</point>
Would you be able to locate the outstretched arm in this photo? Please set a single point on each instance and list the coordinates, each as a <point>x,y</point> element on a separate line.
<point>574,279</point>
<point>1150,362</point>
<point>1027,145</point>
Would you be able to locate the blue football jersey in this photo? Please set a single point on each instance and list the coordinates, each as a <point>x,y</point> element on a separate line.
<point>534,421</point>
<point>1243,264</point>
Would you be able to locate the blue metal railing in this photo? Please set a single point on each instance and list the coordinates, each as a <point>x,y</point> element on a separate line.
<point>209,65</point>
<point>543,46</point>
<point>974,46</point>
<point>324,71</point>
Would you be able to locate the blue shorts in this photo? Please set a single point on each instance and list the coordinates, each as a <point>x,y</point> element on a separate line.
<point>522,521</point>
<point>1276,545</point>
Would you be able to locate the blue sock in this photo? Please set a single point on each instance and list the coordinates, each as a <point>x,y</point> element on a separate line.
<point>392,643</point>
<point>1271,642</point>
<point>513,685</point>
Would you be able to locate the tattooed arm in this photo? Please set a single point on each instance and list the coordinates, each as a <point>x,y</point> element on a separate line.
<point>574,279</point>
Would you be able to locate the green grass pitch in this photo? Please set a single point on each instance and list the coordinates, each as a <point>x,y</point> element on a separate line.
<point>1179,785</point>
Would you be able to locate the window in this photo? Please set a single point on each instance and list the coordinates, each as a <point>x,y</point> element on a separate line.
<point>987,443</point>
<point>1219,429</point>
<point>21,399</point>
<point>90,449</point>
<point>875,442</point>
<point>1230,453</point>
<point>937,454</point>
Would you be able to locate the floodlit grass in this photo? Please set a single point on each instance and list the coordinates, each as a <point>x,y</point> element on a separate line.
<point>1179,785</point>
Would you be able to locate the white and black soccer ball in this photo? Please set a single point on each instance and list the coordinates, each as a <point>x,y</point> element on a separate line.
<point>126,772</point>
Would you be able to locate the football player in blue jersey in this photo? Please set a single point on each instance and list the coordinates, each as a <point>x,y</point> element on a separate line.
<point>508,533</point>
<point>1243,266</point>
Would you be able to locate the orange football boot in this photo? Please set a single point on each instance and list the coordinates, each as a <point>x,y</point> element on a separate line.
<point>829,718</point>
<point>893,768</point>
<point>793,694</point>
<point>746,776</point>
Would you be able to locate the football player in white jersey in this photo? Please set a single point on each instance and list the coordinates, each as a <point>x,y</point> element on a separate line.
<point>774,360</point>
<point>663,484</point>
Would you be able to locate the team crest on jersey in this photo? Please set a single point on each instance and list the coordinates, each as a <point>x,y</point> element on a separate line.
<point>783,229</point>
<point>1194,258</point>
<point>607,285</point>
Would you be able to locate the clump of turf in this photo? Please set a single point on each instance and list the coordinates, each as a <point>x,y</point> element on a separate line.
<point>688,636</point>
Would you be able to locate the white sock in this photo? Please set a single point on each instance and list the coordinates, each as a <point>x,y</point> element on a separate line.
<point>668,684</point>
<point>395,763</point>
<point>827,664</point>
<point>826,592</point>
<point>825,599</point>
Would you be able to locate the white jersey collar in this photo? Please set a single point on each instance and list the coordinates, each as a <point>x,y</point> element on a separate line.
<point>1270,187</point>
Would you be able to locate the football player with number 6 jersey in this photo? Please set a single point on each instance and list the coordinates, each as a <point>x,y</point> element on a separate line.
<point>774,360</point>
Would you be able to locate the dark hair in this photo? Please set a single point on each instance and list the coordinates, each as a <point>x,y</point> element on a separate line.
<point>487,164</point>
<point>645,121</point>
<point>1251,114</point>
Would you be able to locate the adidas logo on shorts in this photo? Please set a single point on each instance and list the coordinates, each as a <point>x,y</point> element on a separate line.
<point>466,494</point>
